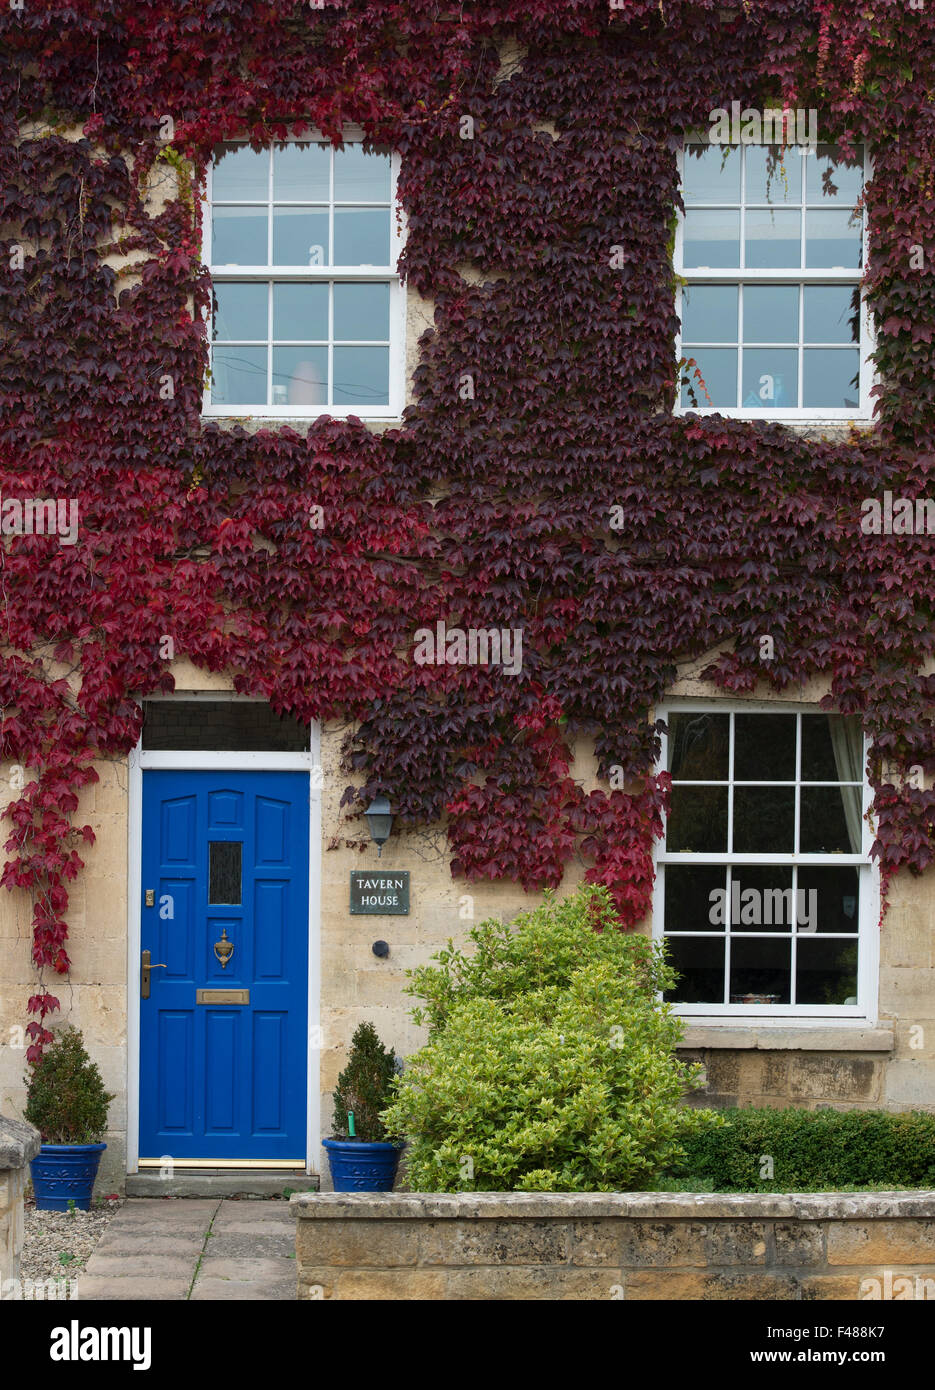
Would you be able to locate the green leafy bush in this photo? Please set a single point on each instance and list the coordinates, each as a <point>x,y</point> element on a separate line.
<point>812,1150</point>
<point>66,1099</point>
<point>364,1086</point>
<point>550,1063</point>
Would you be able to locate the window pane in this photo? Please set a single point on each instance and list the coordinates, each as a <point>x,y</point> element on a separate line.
<point>300,311</point>
<point>764,820</point>
<point>698,747</point>
<point>224,871</point>
<point>831,378</point>
<point>709,313</point>
<point>773,176</point>
<point>832,748</point>
<point>222,725</point>
<point>770,378</point>
<point>361,311</point>
<point>362,236</point>
<point>764,747</point>
<point>832,314</point>
<point>832,898</point>
<point>360,177</point>
<point>772,239</point>
<point>697,819</point>
<point>301,173</point>
<point>830,820</point>
<point>711,174</point>
<point>240,309</point>
<point>711,239</point>
<point>300,376</point>
<point>832,238</point>
<point>718,368</point>
<point>300,237</point>
<point>699,962</point>
<point>760,971</point>
<point>361,376</point>
<point>770,313</point>
<point>238,236</point>
<point>761,899</point>
<point>829,182</point>
<point>690,895</point>
<point>240,174</point>
<point>826,972</point>
<point>238,376</point>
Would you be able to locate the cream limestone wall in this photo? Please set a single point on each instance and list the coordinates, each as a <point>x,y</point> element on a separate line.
<point>94,994</point>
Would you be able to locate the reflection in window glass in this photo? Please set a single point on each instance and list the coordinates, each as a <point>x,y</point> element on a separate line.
<point>299,339</point>
<point>770,313</point>
<point>224,872</point>
<point>718,370</point>
<point>772,220</point>
<point>748,924</point>
<point>711,239</point>
<point>709,313</point>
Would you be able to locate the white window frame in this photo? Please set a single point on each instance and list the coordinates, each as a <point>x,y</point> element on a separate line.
<point>766,276</point>
<point>327,274</point>
<point>868,935</point>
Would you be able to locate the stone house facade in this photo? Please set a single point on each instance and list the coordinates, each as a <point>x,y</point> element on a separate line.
<point>231,820</point>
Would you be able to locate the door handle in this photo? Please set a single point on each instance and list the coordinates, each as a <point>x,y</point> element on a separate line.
<point>145,967</point>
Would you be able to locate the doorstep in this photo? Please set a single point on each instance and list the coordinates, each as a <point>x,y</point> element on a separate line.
<point>221,1182</point>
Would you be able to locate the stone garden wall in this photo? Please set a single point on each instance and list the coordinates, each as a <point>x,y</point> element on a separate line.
<point>636,1246</point>
<point>19,1143</point>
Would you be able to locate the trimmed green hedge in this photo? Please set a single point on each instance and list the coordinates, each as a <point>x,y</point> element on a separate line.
<point>812,1150</point>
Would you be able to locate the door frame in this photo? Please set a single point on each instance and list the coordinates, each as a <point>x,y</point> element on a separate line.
<point>206,761</point>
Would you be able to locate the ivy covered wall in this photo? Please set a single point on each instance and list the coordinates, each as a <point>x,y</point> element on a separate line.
<point>483,509</point>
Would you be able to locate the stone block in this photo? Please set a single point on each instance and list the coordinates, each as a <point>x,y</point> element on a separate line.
<point>798,1243</point>
<point>662,1243</point>
<point>525,1242</point>
<point>596,1243</point>
<point>839,1287</point>
<point>735,1243</point>
<point>720,1287</point>
<point>833,1077</point>
<point>366,1244</point>
<point>532,1282</point>
<point>910,1084</point>
<point>407,1285</point>
<point>881,1243</point>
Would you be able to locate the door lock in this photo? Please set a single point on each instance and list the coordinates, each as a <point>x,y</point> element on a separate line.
<point>150,898</point>
<point>145,967</point>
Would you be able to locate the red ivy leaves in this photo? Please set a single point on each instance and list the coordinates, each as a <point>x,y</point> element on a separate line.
<point>486,512</point>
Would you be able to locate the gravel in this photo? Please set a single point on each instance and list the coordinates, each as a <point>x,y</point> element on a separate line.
<point>57,1244</point>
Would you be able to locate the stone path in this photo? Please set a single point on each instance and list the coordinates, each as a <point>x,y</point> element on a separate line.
<point>178,1248</point>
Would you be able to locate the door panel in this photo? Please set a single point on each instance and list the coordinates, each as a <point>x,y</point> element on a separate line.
<point>227,857</point>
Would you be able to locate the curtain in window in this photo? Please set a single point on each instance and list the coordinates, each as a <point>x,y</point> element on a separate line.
<point>847,743</point>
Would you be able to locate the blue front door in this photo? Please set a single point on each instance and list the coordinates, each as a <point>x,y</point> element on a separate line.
<point>223,1036</point>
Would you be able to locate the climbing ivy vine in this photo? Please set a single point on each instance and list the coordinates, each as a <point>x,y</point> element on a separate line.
<point>482,509</point>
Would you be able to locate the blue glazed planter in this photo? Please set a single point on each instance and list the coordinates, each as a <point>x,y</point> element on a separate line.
<point>360,1167</point>
<point>63,1173</point>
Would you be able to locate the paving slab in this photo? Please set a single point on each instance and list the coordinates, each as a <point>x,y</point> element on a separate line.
<point>143,1290</point>
<point>203,1249</point>
<point>260,1279</point>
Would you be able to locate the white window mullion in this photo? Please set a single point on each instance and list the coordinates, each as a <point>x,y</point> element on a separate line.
<point>269,344</point>
<point>730,784</point>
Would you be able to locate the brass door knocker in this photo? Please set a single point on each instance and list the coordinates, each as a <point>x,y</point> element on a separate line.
<point>223,949</point>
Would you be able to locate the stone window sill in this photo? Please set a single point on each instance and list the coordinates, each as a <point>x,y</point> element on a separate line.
<point>821,1038</point>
